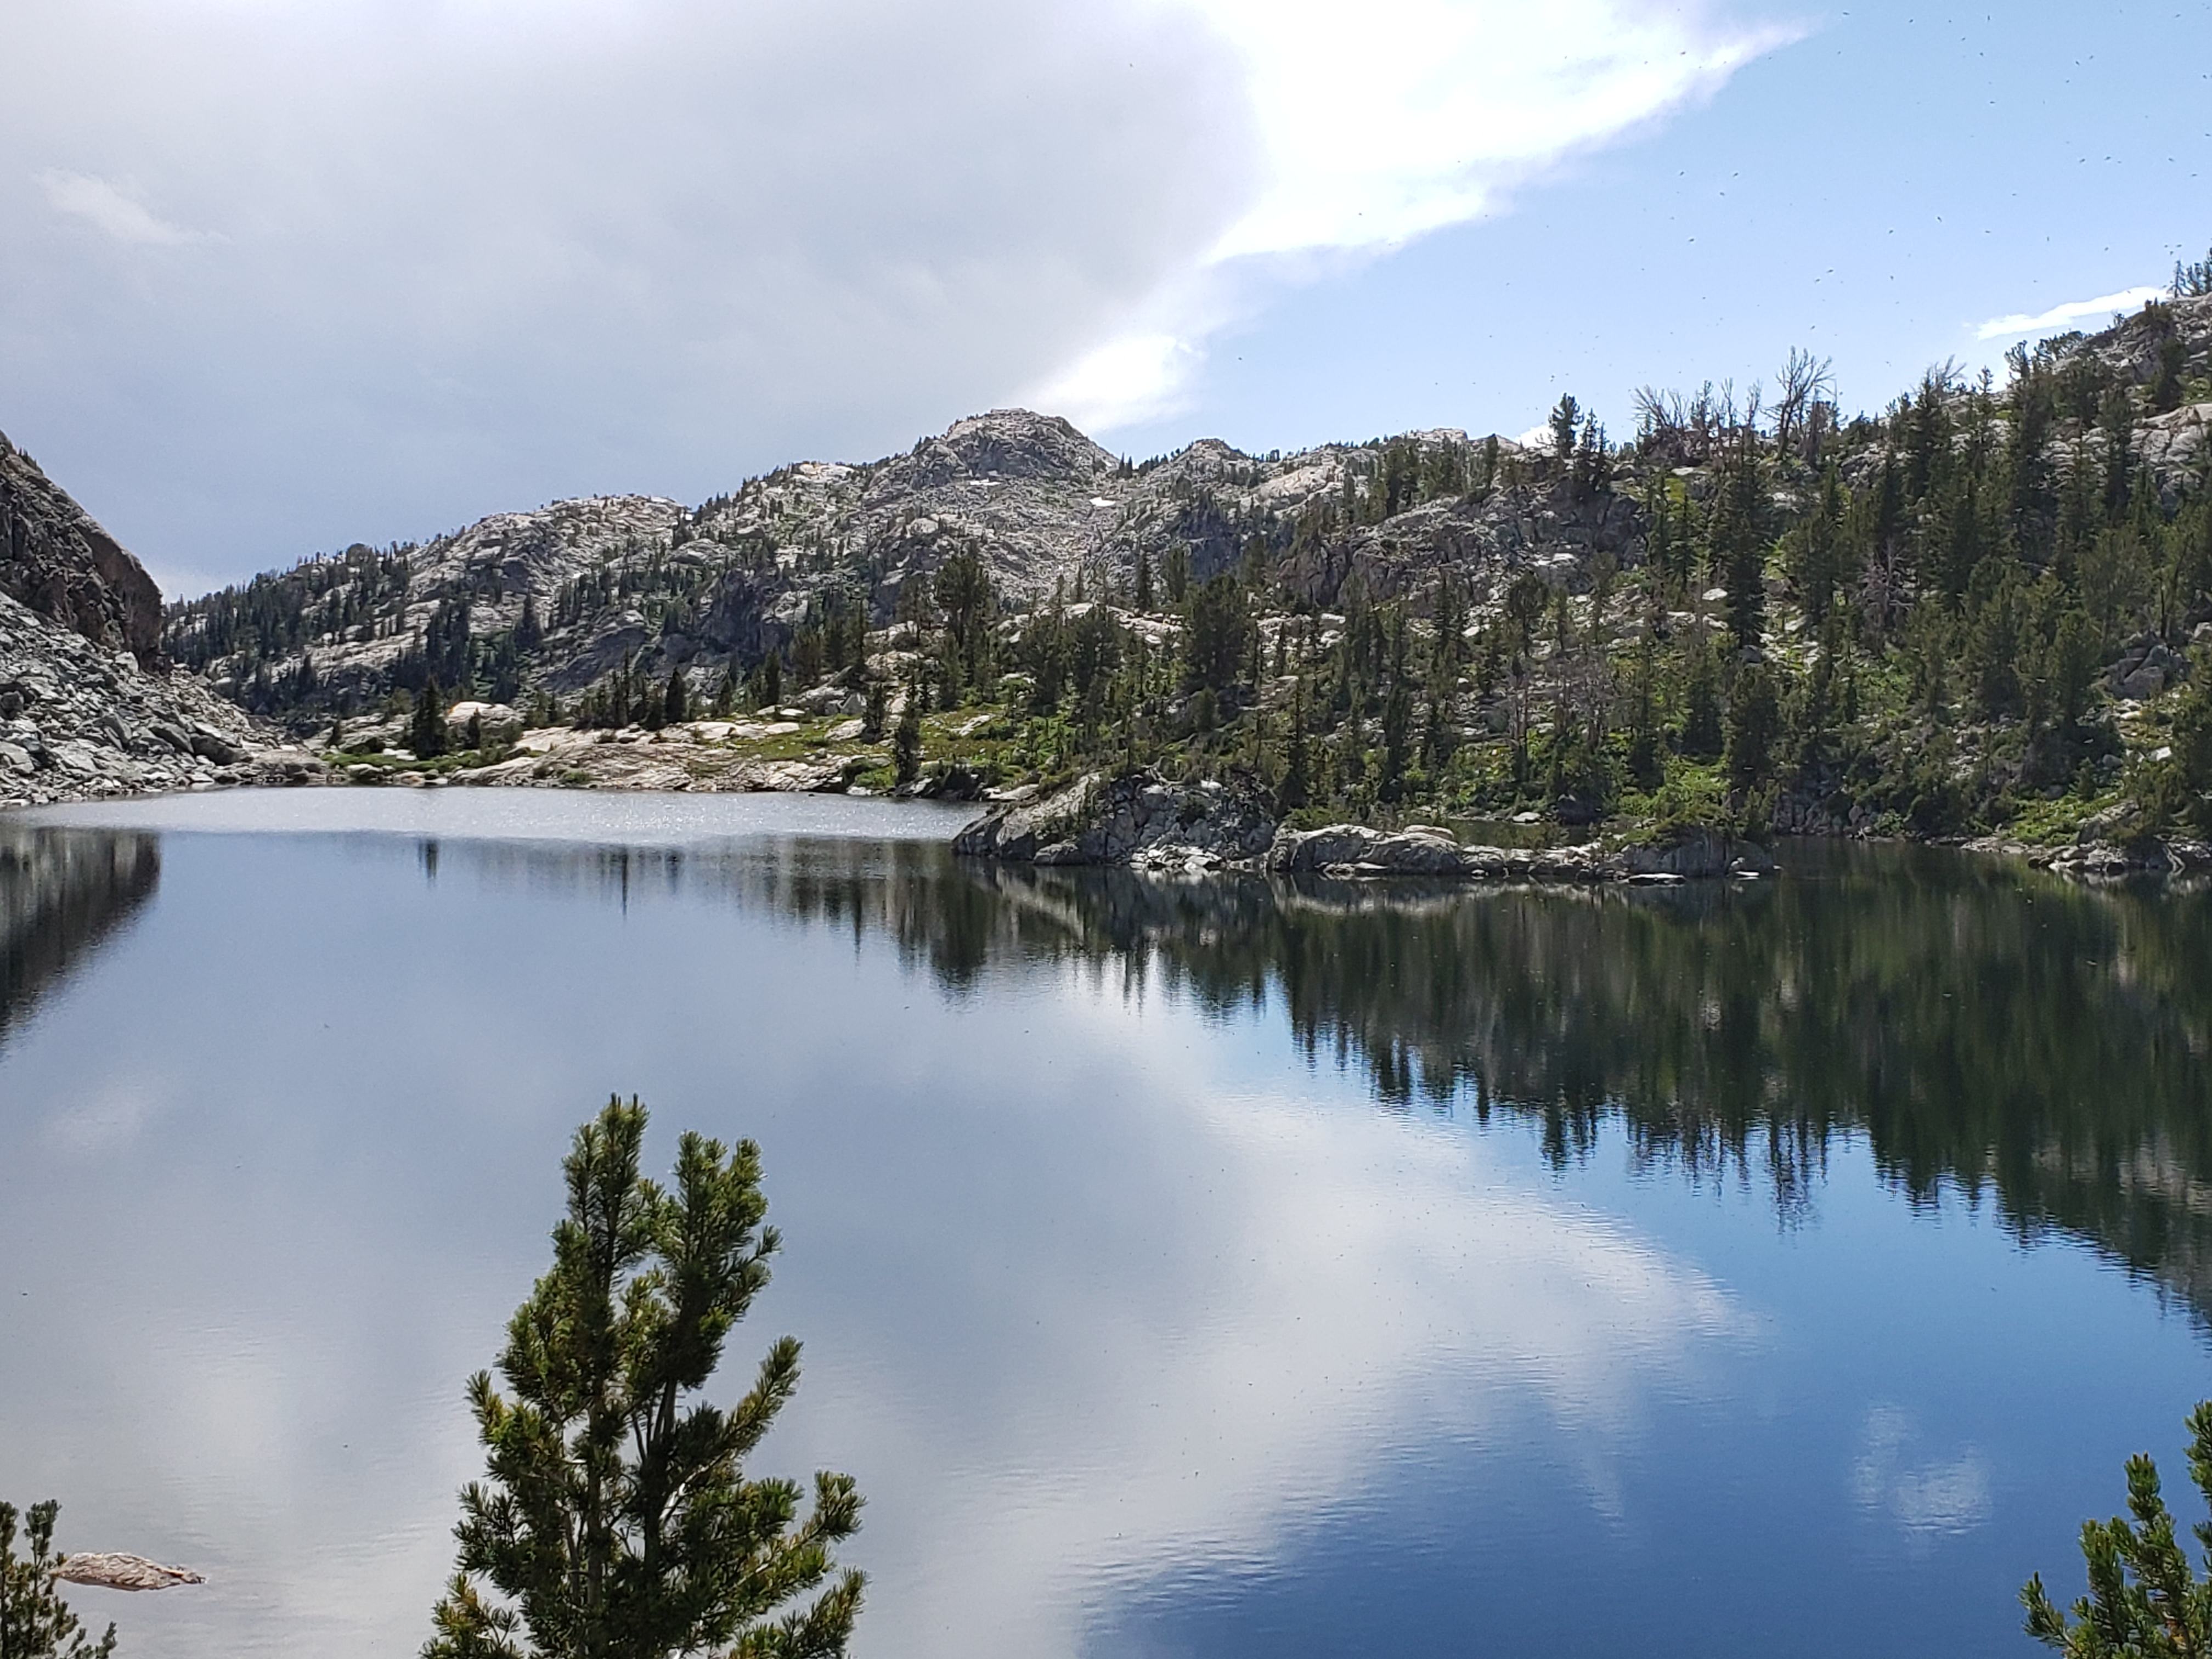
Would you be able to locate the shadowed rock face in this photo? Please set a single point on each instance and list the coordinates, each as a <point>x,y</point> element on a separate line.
<point>55,559</point>
<point>62,892</point>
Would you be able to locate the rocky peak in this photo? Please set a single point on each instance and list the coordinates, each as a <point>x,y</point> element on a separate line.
<point>1004,443</point>
<point>57,561</point>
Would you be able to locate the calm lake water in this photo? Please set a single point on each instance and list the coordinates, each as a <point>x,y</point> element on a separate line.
<point>1234,1268</point>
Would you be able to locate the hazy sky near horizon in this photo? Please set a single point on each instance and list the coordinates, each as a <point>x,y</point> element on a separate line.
<point>278,275</point>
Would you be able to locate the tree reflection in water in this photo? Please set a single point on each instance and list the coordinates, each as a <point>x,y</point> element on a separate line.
<point>62,892</point>
<point>1990,1031</point>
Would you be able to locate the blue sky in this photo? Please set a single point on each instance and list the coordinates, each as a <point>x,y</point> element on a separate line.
<point>278,276</point>
<point>1873,191</point>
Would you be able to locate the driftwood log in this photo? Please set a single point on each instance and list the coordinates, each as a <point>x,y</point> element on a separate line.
<point>123,1573</point>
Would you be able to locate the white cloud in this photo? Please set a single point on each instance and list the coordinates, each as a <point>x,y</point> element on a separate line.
<point>1375,130</point>
<point>1132,377</point>
<point>2020,324</point>
<point>100,202</point>
<point>1419,114</point>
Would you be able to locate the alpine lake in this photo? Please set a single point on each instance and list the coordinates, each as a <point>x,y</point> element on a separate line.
<point>1223,1268</point>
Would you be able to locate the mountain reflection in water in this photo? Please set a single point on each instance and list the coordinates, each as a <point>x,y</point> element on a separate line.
<point>1989,1029</point>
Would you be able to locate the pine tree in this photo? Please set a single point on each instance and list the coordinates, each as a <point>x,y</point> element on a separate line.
<point>1177,569</point>
<point>1755,719</point>
<point>963,591</point>
<point>1397,727</point>
<point>1738,549</point>
<point>35,1623</point>
<point>1815,549</point>
<point>1297,785</point>
<point>426,730</point>
<point>1220,628</point>
<point>906,740</point>
<point>1567,423</point>
<point>2144,1597</point>
<point>1701,708</point>
<point>676,701</point>
<point>767,681</point>
<point>616,1522</point>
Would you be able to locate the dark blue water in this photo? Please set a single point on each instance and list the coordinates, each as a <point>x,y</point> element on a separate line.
<point>1226,1269</point>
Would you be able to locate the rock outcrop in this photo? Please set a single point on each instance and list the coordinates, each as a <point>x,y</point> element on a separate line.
<point>58,562</point>
<point>1695,853</point>
<point>2107,860</point>
<point>79,721</point>
<point>1354,851</point>
<point>1138,819</point>
<point>701,756</point>
<point>88,705</point>
<point>2114,845</point>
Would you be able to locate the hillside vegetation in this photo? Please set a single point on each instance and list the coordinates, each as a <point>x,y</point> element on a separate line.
<point>1972,612</point>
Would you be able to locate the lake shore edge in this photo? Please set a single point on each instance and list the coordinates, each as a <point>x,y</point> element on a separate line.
<point>1138,819</point>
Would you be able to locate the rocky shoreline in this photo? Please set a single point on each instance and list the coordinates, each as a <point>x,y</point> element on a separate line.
<point>81,720</point>
<point>122,733</point>
<point>2100,860</point>
<point>1144,822</point>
